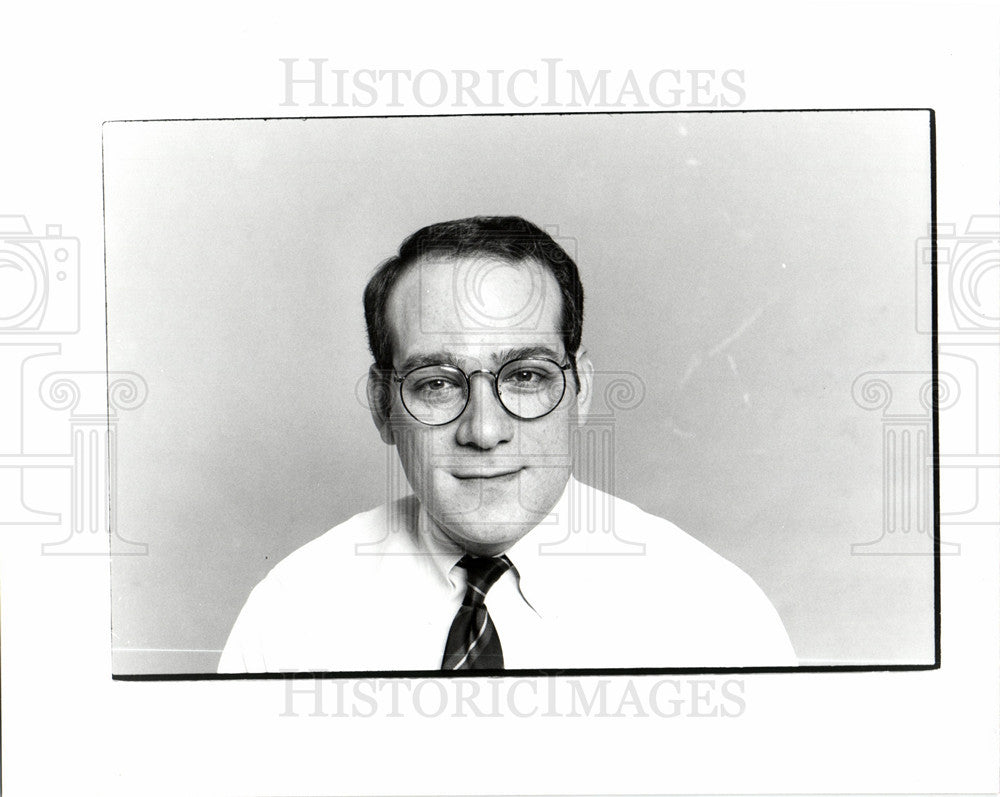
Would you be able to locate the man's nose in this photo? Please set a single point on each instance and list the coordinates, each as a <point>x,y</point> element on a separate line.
<point>484,424</point>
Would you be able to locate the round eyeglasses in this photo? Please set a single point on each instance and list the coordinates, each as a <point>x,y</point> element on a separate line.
<point>527,389</point>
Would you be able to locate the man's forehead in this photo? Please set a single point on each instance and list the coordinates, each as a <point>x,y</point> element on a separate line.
<point>480,307</point>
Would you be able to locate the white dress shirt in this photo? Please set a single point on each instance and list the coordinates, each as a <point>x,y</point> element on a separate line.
<point>380,591</point>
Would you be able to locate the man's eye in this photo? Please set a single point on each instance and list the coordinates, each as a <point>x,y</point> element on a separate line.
<point>524,379</point>
<point>436,385</point>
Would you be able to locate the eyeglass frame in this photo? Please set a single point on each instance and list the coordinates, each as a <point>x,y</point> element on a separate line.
<point>496,387</point>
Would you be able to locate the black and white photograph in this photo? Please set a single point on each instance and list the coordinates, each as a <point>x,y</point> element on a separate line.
<point>537,399</point>
<point>593,392</point>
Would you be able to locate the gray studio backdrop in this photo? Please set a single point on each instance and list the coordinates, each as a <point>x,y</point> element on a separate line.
<point>742,270</point>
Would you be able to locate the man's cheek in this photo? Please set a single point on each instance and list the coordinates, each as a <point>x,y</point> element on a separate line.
<point>546,446</point>
<point>416,454</point>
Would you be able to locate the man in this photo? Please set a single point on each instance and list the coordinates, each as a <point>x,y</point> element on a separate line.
<point>479,381</point>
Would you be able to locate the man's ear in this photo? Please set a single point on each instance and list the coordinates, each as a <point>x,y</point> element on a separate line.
<point>585,379</point>
<point>379,391</point>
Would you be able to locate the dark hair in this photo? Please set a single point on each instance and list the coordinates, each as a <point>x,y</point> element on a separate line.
<point>508,238</point>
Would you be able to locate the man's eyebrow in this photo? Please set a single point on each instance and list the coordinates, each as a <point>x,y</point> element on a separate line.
<point>432,358</point>
<point>526,353</point>
<point>496,359</point>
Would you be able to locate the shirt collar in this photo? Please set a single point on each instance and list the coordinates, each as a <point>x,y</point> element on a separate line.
<point>442,552</point>
<point>533,551</point>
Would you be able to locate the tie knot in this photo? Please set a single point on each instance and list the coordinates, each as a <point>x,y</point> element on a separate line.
<point>482,573</point>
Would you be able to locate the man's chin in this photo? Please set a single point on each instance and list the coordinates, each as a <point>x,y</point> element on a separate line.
<point>478,544</point>
<point>485,537</point>
<point>488,515</point>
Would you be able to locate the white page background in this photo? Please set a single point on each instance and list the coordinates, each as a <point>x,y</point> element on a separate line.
<point>67,728</point>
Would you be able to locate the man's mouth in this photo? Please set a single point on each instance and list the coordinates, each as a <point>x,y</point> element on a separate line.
<point>486,473</point>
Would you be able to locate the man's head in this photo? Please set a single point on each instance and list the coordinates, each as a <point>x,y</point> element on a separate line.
<point>487,453</point>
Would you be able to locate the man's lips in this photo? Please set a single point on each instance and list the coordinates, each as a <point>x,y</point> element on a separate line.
<point>496,473</point>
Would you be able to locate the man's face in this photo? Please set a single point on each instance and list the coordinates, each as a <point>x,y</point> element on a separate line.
<point>486,478</point>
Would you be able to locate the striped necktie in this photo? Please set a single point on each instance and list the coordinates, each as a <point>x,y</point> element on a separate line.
<point>473,643</point>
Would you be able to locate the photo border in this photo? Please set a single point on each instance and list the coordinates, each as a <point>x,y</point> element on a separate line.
<point>584,672</point>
